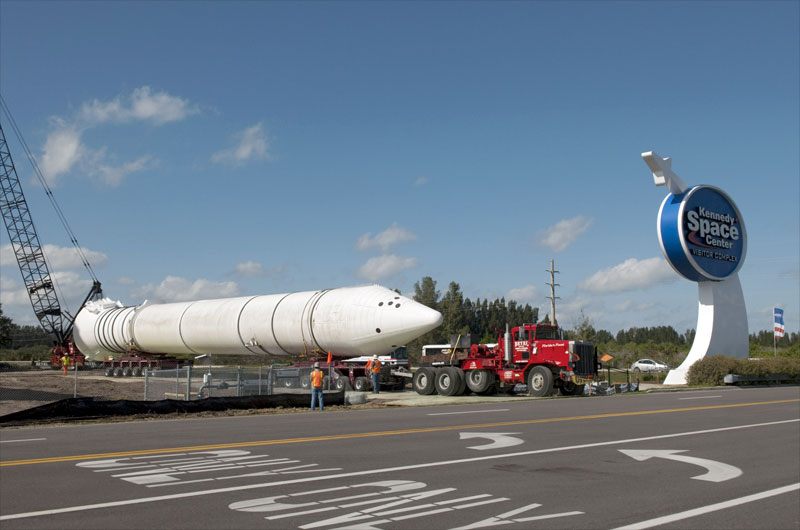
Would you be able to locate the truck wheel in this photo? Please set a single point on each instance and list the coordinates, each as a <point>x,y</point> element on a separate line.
<point>361,384</point>
<point>478,380</point>
<point>423,382</point>
<point>118,372</point>
<point>492,390</point>
<point>462,381</point>
<point>343,383</point>
<point>540,381</point>
<point>568,388</point>
<point>448,381</point>
<point>137,372</point>
<point>288,382</point>
<point>109,372</point>
<point>127,372</point>
<point>305,383</point>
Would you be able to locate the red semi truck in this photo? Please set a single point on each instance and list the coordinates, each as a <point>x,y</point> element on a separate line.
<point>537,355</point>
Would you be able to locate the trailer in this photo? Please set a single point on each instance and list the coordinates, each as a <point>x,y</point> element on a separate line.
<point>347,374</point>
<point>134,364</point>
<point>537,355</point>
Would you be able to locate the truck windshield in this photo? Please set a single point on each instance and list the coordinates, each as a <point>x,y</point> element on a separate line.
<point>547,333</point>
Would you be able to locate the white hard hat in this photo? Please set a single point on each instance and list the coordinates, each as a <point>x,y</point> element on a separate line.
<point>316,365</point>
<point>374,356</point>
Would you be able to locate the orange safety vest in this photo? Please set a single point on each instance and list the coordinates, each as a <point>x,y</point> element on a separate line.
<point>316,378</point>
<point>376,367</point>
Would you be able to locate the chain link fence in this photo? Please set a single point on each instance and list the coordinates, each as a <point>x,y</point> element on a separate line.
<point>194,382</point>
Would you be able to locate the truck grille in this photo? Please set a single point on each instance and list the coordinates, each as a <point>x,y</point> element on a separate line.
<point>587,353</point>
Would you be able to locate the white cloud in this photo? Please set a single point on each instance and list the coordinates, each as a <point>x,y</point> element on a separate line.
<point>249,269</point>
<point>523,295</point>
<point>631,274</point>
<point>64,149</point>
<point>61,151</point>
<point>386,266</point>
<point>389,237</point>
<point>96,167</point>
<point>561,235</point>
<point>252,145</point>
<point>143,104</point>
<point>253,269</point>
<point>176,289</point>
<point>56,257</point>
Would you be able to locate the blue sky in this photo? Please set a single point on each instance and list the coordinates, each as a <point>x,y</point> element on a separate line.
<point>213,149</point>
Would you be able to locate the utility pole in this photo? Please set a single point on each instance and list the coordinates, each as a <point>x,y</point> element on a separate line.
<point>552,296</point>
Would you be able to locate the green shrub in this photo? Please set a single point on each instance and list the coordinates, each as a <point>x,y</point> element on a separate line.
<point>28,353</point>
<point>712,370</point>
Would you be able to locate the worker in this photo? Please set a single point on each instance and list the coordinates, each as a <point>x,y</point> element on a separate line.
<point>316,387</point>
<point>64,364</point>
<point>375,370</point>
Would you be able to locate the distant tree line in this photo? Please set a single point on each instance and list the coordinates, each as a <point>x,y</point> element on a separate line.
<point>14,337</point>
<point>765,338</point>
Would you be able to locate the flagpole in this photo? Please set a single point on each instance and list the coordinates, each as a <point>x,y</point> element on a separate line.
<point>774,339</point>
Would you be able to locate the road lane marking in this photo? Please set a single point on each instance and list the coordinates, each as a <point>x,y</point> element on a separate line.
<point>658,521</point>
<point>381,471</point>
<point>466,412</point>
<point>715,471</point>
<point>26,440</point>
<point>382,433</point>
<point>701,397</point>
<point>499,439</point>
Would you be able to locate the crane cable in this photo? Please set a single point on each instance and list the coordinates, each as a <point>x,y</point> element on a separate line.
<point>47,190</point>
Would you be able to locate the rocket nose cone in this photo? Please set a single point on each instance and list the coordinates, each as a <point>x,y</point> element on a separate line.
<point>426,317</point>
<point>407,320</point>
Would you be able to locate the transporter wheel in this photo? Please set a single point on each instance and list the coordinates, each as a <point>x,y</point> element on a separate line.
<point>110,372</point>
<point>117,372</point>
<point>127,372</point>
<point>343,383</point>
<point>137,372</point>
<point>448,381</point>
<point>492,390</point>
<point>568,388</point>
<point>462,381</point>
<point>288,382</point>
<point>361,384</point>
<point>478,381</point>
<point>540,381</point>
<point>423,382</point>
<point>305,382</point>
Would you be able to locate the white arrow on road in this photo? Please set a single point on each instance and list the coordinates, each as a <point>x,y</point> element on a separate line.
<point>717,471</point>
<point>499,439</point>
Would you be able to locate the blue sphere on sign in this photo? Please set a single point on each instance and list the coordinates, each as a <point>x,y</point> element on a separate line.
<point>702,234</point>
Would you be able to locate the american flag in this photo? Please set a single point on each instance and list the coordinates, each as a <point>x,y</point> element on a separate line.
<point>779,329</point>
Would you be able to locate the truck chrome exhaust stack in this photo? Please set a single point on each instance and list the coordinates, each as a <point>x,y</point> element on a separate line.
<point>508,345</point>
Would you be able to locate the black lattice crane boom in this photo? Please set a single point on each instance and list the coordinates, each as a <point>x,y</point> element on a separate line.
<point>28,250</point>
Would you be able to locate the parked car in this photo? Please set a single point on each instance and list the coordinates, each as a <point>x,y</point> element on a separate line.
<point>649,365</point>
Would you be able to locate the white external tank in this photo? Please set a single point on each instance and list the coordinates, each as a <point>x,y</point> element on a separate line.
<point>347,321</point>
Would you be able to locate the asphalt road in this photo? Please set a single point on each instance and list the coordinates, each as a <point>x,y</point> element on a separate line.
<point>718,458</point>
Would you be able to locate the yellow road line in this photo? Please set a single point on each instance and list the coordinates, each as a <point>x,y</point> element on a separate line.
<point>378,433</point>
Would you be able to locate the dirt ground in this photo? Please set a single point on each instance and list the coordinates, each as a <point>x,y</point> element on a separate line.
<point>24,389</point>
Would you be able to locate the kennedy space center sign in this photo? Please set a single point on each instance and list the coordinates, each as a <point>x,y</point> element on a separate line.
<point>703,238</point>
<point>702,234</point>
